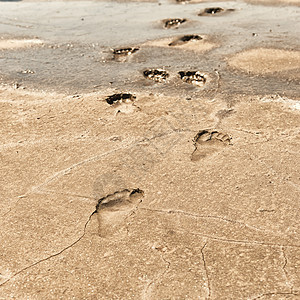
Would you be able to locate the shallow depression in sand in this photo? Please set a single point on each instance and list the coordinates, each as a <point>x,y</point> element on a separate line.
<point>262,61</point>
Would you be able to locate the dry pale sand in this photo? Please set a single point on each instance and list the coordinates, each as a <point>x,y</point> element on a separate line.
<point>265,61</point>
<point>165,189</point>
<point>222,223</point>
<point>6,44</point>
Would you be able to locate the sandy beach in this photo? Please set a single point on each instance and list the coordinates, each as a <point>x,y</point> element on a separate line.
<point>149,150</point>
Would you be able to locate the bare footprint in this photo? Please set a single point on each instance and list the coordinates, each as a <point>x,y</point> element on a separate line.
<point>193,77</point>
<point>122,102</point>
<point>122,54</point>
<point>120,98</point>
<point>113,210</point>
<point>173,23</point>
<point>207,142</point>
<point>185,39</point>
<point>211,11</point>
<point>157,75</point>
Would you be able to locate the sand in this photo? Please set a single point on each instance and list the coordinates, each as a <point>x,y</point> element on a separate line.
<point>116,185</point>
<point>7,44</point>
<point>265,61</point>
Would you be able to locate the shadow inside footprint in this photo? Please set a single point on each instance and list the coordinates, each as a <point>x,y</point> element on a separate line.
<point>211,11</point>
<point>113,209</point>
<point>173,23</point>
<point>123,53</point>
<point>192,77</point>
<point>120,98</point>
<point>207,142</point>
<point>185,39</point>
<point>157,75</point>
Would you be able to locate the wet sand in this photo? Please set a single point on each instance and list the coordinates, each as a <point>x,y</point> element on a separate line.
<point>149,160</point>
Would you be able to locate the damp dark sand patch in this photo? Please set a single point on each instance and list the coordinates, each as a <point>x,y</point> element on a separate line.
<point>207,142</point>
<point>262,61</point>
<point>173,23</point>
<point>157,75</point>
<point>193,77</point>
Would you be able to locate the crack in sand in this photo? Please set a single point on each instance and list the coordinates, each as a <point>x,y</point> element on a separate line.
<point>288,282</point>
<point>274,294</point>
<point>219,239</point>
<point>206,271</point>
<point>38,188</point>
<point>52,255</point>
<point>204,217</point>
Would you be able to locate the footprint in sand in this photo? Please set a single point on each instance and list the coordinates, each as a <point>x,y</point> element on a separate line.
<point>120,98</point>
<point>122,54</point>
<point>193,77</point>
<point>207,142</point>
<point>157,75</point>
<point>113,209</point>
<point>122,102</point>
<point>185,39</point>
<point>173,23</point>
<point>211,11</point>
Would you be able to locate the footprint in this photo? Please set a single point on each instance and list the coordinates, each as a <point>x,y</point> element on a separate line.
<point>213,11</point>
<point>120,98</point>
<point>173,23</point>
<point>123,102</point>
<point>207,142</point>
<point>113,210</point>
<point>193,77</point>
<point>123,53</point>
<point>185,39</point>
<point>157,75</point>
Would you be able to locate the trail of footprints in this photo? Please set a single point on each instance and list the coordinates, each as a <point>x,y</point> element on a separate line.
<point>113,209</point>
<point>191,77</point>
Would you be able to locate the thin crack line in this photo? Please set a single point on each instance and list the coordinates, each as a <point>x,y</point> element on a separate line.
<point>274,294</point>
<point>203,216</point>
<point>38,188</point>
<point>238,241</point>
<point>206,271</point>
<point>285,271</point>
<point>53,255</point>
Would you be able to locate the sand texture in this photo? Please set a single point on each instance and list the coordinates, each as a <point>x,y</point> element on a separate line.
<point>146,162</point>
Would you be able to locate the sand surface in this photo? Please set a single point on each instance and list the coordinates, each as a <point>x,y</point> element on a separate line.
<point>136,169</point>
